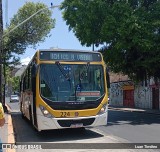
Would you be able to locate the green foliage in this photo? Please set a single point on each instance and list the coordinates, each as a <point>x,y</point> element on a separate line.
<point>8,74</point>
<point>32,32</point>
<point>129,29</point>
<point>15,83</point>
<point>9,80</point>
<point>81,18</point>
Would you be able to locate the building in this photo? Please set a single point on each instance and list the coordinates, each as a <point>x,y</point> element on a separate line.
<point>123,92</point>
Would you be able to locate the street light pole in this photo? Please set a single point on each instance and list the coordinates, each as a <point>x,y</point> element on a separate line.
<point>1,53</point>
<point>7,33</point>
<point>52,7</point>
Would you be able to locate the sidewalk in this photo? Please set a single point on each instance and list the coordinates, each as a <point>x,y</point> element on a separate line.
<point>6,132</point>
<point>149,111</point>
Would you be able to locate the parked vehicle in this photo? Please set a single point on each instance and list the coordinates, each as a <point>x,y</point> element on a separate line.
<point>14,98</point>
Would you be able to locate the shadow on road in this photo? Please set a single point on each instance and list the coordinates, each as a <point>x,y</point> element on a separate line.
<point>132,118</point>
<point>25,132</point>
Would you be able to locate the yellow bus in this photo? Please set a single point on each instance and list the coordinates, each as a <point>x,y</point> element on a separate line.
<point>64,89</point>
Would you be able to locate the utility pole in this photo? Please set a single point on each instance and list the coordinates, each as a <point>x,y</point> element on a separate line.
<point>52,7</point>
<point>1,53</point>
<point>2,96</point>
<point>7,33</point>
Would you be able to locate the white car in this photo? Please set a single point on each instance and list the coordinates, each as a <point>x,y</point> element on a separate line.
<point>14,98</point>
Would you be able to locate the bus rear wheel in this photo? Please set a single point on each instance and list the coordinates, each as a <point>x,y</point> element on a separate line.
<point>30,114</point>
<point>22,114</point>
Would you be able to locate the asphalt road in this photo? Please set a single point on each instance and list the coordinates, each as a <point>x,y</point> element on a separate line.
<point>133,126</point>
<point>123,127</point>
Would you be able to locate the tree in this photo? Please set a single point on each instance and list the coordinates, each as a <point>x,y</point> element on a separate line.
<point>85,18</point>
<point>15,83</point>
<point>129,30</point>
<point>30,33</point>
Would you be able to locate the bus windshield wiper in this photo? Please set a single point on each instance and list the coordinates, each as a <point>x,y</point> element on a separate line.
<point>84,70</point>
<point>65,74</point>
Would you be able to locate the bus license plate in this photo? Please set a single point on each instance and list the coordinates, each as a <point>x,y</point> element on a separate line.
<point>76,125</point>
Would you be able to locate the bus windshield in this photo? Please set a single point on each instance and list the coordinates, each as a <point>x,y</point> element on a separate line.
<point>84,82</point>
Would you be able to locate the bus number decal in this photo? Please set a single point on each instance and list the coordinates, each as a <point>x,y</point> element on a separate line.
<point>65,114</point>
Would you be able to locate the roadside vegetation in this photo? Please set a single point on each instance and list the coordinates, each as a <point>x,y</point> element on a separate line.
<point>129,31</point>
<point>29,34</point>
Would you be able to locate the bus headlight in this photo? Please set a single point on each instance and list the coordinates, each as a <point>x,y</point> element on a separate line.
<point>45,112</point>
<point>103,109</point>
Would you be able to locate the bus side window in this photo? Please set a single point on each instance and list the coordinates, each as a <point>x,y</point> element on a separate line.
<point>20,86</point>
<point>33,77</point>
<point>24,84</point>
<point>29,78</point>
<point>108,78</point>
<point>34,70</point>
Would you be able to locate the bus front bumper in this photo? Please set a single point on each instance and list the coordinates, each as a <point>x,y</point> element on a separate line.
<point>45,123</point>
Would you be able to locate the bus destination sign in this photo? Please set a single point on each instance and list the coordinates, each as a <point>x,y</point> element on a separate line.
<point>69,56</point>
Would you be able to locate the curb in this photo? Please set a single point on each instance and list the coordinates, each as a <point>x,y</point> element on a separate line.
<point>11,137</point>
<point>135,110</point>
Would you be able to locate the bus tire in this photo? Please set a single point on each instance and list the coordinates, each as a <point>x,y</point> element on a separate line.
<point>22,115</point>
<point>30,114</point>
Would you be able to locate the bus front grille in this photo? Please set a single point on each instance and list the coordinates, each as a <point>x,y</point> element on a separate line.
<point>68,123</point>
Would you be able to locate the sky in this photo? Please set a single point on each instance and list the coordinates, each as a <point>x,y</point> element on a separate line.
<point>61,37</point>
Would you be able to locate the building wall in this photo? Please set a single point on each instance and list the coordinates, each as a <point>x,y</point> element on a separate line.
<point>116,94</point>
<point>142,94</point>
<point>143,97</point>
